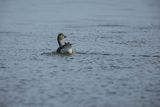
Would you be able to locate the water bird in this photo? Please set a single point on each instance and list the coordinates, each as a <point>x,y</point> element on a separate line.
<point>64,48</point>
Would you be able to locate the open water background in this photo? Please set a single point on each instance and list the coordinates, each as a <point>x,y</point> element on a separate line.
<point>117,63</point>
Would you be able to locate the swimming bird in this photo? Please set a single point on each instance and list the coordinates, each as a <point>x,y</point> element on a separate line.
<point>64,48</point>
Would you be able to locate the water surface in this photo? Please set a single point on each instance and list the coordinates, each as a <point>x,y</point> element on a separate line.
<point>117,62</point>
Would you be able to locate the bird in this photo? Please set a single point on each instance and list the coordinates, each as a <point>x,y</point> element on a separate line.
<point>64,48</point>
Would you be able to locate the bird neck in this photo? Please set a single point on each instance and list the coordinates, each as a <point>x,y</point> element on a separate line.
<point>61,42</point>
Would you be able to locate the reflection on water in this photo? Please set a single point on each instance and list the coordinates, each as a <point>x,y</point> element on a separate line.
<point>53,53</point>
<point>117,59</point>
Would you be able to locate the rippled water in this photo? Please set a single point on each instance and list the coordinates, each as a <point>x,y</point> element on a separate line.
<point>117,60</point>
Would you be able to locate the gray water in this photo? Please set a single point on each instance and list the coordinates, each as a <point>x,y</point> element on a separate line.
<point>117,63</point>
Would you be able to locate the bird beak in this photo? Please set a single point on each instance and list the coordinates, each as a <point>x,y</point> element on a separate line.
<point>65,36</point>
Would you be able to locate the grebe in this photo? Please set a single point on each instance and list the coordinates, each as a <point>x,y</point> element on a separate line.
<point>64,48</point>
